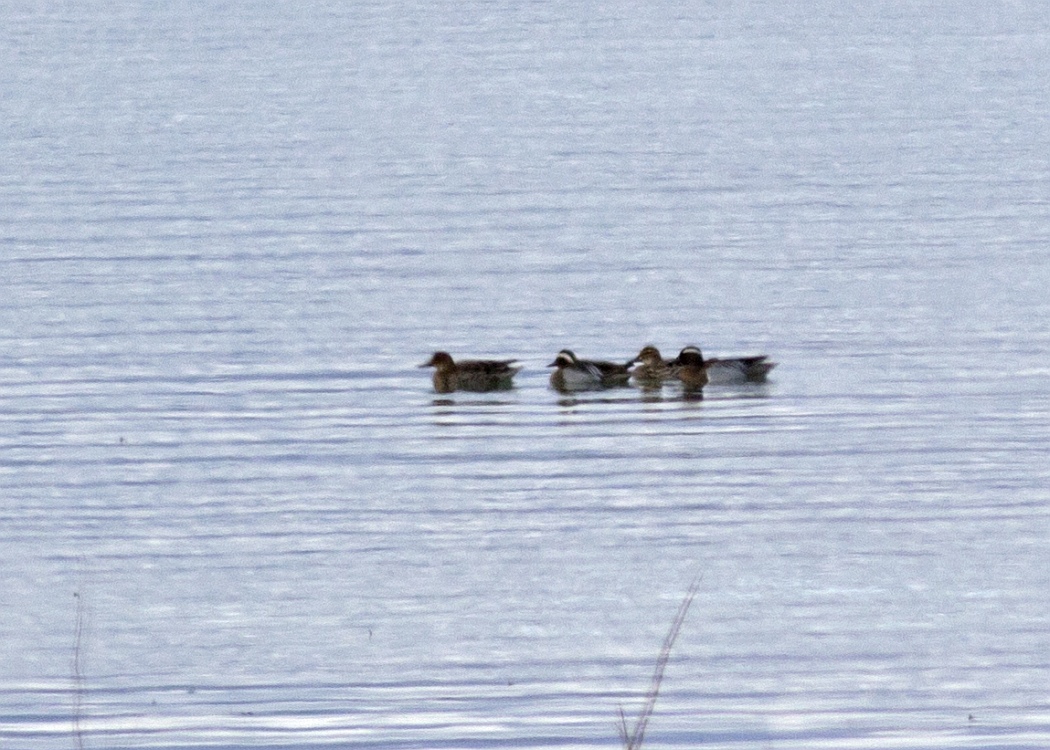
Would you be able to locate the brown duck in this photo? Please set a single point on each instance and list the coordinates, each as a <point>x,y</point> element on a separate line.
<point>471,374</point>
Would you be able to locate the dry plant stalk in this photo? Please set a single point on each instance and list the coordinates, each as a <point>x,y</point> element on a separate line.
<point>632,738</point>
<point>78,675</point>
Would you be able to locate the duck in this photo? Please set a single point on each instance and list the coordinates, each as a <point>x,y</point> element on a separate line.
<point>654,369</point>
<point>574,374</point>
<point>471,374</point>
<point>733,370</point>
<point>692,369</point>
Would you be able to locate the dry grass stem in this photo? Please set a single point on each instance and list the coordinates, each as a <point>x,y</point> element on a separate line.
<point>632,738</point>
<point>78,675</point>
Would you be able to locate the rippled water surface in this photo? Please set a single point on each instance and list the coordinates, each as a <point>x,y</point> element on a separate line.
<point>233,512</point>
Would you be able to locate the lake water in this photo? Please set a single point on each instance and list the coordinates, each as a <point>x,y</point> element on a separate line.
<point>234,514</point>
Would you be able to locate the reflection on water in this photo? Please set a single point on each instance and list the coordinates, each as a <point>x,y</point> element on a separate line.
<point>622,396</point>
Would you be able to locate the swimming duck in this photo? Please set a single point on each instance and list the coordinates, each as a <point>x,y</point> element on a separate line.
<point>574,374</point>
<point>722,371</point>
<point>729,370</point>
<point>692,369</point>
<point>654,369</point>
<point>471,374</point>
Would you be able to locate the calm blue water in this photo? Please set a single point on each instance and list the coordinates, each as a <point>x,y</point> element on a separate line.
<point>234,514</point>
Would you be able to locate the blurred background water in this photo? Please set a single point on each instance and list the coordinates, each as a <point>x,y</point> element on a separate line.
<point>234,514</point>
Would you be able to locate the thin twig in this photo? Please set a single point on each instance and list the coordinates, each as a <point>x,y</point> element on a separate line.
<point>632,739</point>
<point>621,727</point>
<point>78,675</point>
